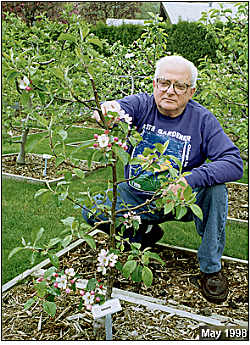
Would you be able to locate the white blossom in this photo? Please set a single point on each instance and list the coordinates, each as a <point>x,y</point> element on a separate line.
<point>70,272</point>
<point>88,298</point>
<point>126,118</point>
<point>103,140</point>
<point>62,282</point>
<point>24,83</point>
<point>129,55</point>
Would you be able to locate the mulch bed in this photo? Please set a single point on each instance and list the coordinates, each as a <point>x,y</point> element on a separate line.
<point>238,194</point>
<point>176,282</point>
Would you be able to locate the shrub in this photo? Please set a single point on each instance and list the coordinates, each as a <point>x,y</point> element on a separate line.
<point>191,40</point>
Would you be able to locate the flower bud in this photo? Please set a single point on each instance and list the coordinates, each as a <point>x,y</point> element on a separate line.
<point>96,136</point>
<point>97,299</point>
<point>92,292</point>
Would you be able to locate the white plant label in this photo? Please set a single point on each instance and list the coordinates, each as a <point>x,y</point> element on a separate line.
<point>109,307</point>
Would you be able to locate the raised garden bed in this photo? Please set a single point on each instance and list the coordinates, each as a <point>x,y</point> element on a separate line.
<point>175,312</point>
<point>32,171</point>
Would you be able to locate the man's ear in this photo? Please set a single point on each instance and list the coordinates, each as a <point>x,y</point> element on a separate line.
<point>192,92</point>
<point>154,83</point>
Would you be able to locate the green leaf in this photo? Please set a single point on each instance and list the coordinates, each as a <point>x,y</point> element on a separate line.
<point>197,211</point>
<point>84,30</point>
<point>187,193</point>
<point>53,242</point>
<point>136,275</point>
<point>79,173</point>
<point>14,251</point>
<point>58,73</point>
<point>41,289</point>
<point>66,241</point>
<point>91,285</point>
<point>25,98</point>
<point>67,37</point>
<point>68,221</point>
<point>123,155</point>
<point>54,260</point>
<point>59,160</point>
<point>29,303</point>
<point>147,276</point>
<point>89,239</point>
<point>95,41</point>
<point>128,268</point>
<point>168,207</point>
<point>180,211</point>
<point>49,308</point>
<point>39,235</point>
<point>154,256</point>
<point>12,75</point>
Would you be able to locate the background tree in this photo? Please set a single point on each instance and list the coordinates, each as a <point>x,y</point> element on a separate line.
<point>224,84</point>
<point>95,11</point>
<point>29,10</point>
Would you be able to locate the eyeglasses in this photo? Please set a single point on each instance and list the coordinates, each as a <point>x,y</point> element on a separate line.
<point>179,87</point>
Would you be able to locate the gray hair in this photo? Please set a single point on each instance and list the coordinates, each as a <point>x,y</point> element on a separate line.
<point>178,59</point>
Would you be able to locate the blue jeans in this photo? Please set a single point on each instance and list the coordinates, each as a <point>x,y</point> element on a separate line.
<point>214,204</point>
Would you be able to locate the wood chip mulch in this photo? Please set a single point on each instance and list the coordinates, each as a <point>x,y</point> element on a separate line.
<point>176,283</point>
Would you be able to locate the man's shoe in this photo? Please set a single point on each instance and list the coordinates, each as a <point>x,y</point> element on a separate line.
<point>149,238</point>
<point>214,287</point>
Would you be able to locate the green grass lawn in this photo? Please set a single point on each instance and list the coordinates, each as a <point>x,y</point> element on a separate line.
<point>22,214</point>
<point>185,235</point>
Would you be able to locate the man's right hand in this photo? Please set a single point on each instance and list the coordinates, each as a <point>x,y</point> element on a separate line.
<point>106,106</point>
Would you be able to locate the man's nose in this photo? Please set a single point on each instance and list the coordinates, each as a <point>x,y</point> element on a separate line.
<point>171,89</point>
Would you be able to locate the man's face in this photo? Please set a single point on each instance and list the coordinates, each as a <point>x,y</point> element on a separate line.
<point>168,102</point>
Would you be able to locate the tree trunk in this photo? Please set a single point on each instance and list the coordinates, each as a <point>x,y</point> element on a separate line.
<point>21,155</point>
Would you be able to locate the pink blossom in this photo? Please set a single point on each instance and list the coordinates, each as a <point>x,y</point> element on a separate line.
<point>97,299</point>
<point>96,136</point>
<point>92,292</point>
<point>56,284</point>
<point>39,280</point>
<point>67,290</point>
<point>82,293</point>
<point>88,306</point>
<point>116,139</point>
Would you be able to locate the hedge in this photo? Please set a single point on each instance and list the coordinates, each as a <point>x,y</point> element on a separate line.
<point>189,39</point>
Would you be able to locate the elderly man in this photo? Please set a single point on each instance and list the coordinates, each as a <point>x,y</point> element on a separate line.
<point>194,136</point>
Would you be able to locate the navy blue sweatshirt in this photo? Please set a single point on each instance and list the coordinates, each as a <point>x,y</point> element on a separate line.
<point>194,137</point>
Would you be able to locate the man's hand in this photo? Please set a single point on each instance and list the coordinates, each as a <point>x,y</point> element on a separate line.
<point>106,106</point>
<point>176,186</point>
